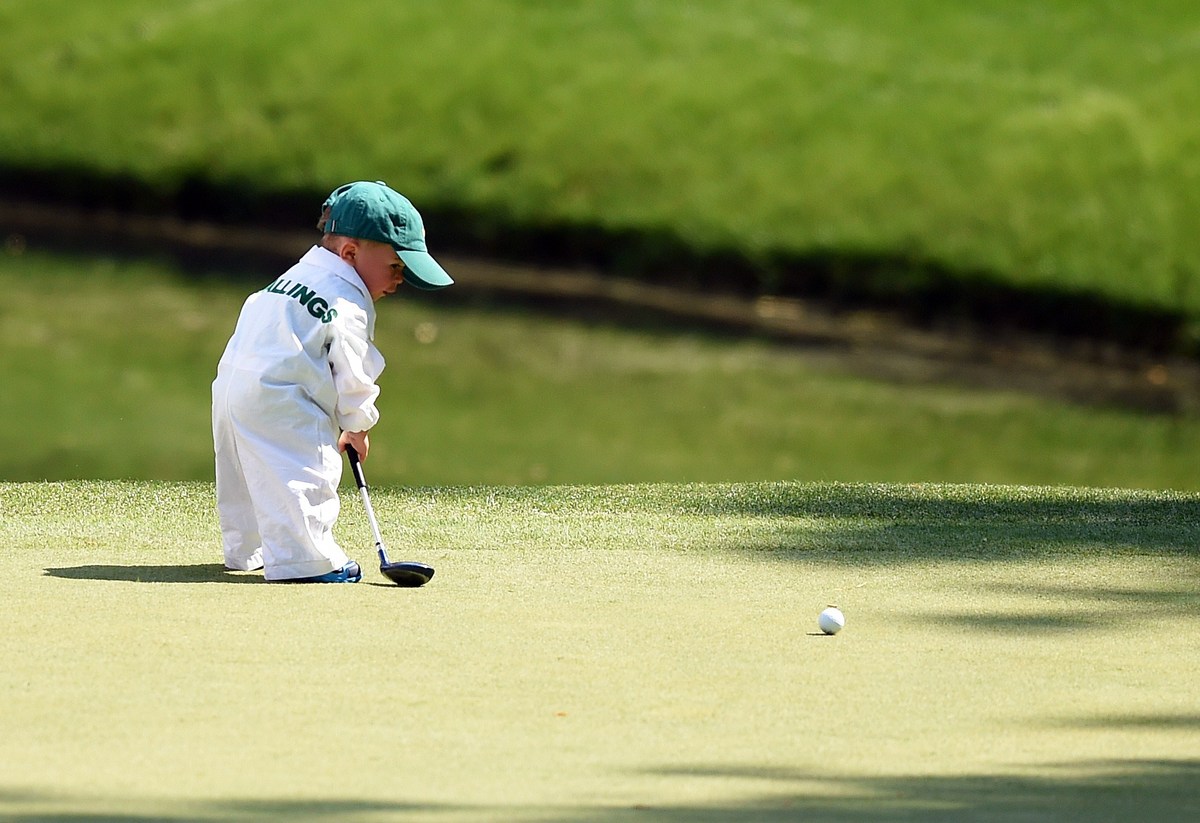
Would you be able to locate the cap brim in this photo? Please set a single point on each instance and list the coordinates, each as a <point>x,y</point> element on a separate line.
<point>422,271</point>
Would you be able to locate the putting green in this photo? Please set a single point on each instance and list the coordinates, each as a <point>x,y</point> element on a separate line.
<point>640,652</point>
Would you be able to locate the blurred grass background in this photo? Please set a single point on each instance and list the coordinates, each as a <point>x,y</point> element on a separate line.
<point>108,363</point>
<point>1042,145</point>
<point>1045,153</point>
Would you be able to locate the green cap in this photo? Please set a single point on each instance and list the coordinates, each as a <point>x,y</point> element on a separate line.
<point>373,211</point>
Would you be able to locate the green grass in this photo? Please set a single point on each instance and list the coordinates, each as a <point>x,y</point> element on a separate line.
<point>109,362</point>
<point>1049,144</point>
<point>609,653</point>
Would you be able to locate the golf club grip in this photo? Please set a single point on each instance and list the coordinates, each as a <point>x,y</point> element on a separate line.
<point>356,467</point>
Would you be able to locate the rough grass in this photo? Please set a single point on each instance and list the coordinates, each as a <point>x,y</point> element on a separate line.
<point>1049,145</point>
<point>601,653</point>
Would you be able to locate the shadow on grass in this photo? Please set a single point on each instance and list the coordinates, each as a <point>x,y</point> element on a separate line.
<point>882,523</point>
<point>1022,624</point>
<point>1133,722</point>
<point>1113,790</point>
<point>196,573</point>
<point>1093,791</point>
<point>195,812</point>
<point>1147,604</point>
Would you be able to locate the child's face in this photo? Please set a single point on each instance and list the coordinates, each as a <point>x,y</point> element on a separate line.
<point>377,264</point>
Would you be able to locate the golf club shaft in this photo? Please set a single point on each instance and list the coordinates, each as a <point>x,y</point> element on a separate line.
<point>361,480</point>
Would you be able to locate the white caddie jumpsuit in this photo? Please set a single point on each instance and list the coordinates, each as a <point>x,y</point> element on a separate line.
<point>299,369</point>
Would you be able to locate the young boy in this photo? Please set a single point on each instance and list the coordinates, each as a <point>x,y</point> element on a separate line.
<point>296,385</point>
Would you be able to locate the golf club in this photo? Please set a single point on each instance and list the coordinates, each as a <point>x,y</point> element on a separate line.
<point>402,573</point>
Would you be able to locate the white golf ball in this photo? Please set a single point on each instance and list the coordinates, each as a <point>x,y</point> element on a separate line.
<point>831,620</point>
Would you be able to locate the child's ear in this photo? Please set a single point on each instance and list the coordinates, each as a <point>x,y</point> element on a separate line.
<point>348,251</point>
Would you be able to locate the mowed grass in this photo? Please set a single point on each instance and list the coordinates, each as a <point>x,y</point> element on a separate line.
<point>108,365</point>
<point>608,653</point>
<point>1048,145</point>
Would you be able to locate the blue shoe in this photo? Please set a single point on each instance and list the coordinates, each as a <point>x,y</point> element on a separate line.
<point>349,573</point>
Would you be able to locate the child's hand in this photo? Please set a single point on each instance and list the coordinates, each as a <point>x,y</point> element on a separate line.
<point>358,440</point>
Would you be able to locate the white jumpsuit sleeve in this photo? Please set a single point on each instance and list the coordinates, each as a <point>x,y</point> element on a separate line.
<point>356,364</point>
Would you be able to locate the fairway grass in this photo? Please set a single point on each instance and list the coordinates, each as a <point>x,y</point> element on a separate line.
<point>608,653</point>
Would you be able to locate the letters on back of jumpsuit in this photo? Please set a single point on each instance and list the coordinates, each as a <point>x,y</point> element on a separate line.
<point>317,306</point>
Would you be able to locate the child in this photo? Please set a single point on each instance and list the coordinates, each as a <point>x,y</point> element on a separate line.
<point>296,385</point>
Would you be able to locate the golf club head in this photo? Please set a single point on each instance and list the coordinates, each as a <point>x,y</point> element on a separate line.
<point>406,573</point>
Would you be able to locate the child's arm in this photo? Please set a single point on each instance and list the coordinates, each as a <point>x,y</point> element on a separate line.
<point>355,364</point>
